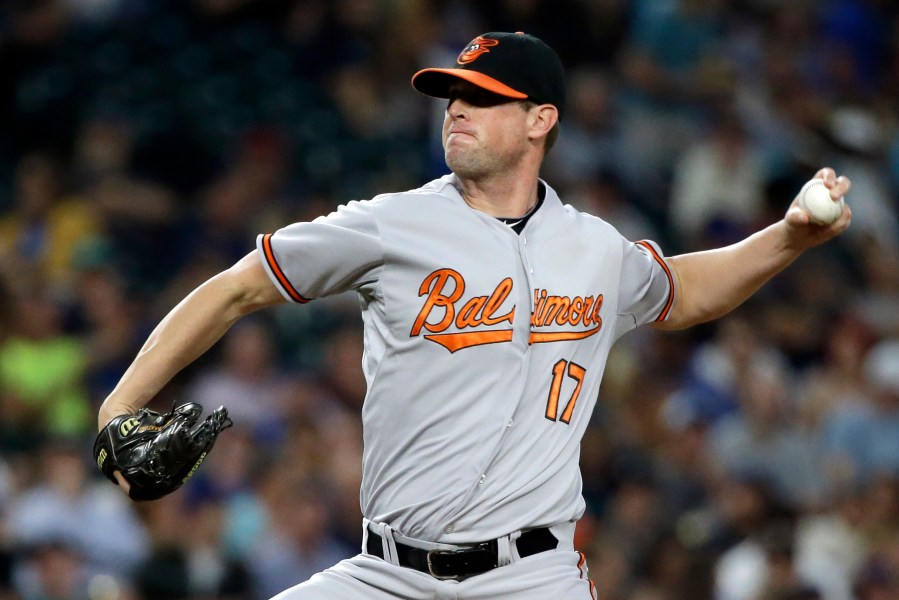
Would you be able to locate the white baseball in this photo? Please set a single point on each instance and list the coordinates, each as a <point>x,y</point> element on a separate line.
<point>815,200</point>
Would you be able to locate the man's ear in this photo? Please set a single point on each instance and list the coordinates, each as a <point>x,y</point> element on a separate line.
<point>542,119</point>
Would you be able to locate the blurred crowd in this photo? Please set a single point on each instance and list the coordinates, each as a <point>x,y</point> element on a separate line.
<point>145,143</point>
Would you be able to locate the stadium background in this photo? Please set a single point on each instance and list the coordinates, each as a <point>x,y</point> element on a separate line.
<point>144,144</point>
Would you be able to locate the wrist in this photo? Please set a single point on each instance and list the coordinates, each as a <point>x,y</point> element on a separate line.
<point>788,243</point>
<point>109,411</point>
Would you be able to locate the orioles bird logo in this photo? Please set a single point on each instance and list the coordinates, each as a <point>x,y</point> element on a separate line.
<point>478,46</point>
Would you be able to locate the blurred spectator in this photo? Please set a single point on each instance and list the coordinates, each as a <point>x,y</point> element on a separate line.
<point>838,378</point>
<point>783,580</point>
<point>877,297</point>
<point>717,369</point>
<point>90,517</point>
<point>605,197</point>
<point>880,517</point>
<point>321,444</point>
<point>683,467</point>
<point>675,572</point>
<point>298,541</point>
<point>107,318</point>
<point>858,141</point>
<point>239,202</point>
<point>230,471</point>
<point>719,180</point>
<point>631,519</point>
<point>55,570</point>
<point>212,573</point>
<point>52,570</point>
<point>6,544</point>
<point>340,370</point>
<point>41,376</point>
<point>830,546</point>
<point>187,559</point>
<point>135,211</point>
<point>592,133</point>
<point>761,438</point>
<point>41,233</point>
<point>751,533</point>
<point>800,311</point>
<point>878,581</point>
<point>612,569</point>
<point>670,61</point>
<point>248,382</point>
<point>856,37</point>
<point>863,438</point>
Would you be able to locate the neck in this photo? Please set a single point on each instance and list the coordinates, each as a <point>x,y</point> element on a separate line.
<point>501,196</point>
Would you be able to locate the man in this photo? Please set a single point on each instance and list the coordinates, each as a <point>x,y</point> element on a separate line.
<point>489,310</point>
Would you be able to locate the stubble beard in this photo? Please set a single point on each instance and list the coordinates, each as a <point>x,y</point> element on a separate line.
<point>477,163</point>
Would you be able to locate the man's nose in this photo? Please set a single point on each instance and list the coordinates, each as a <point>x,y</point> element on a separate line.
<point>458,108</point>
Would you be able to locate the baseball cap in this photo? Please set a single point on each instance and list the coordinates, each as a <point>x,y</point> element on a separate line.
<point>515,65</point>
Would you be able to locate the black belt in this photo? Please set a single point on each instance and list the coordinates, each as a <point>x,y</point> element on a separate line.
<point>466,561</point>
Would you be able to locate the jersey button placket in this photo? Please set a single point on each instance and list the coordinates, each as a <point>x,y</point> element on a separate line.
<point>524,257</point>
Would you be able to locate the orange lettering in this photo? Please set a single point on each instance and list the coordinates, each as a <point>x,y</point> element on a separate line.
<point>496,300</point>
<point>433,286</point>
<point>588,303</point>
<point>475,312</point>
<point>564,310</point>
<point>565,302</point>
<point>552,306</point>
<point>576,305</point>
<point>468,316</point>
<point>596,308</point>
<point>539,299</point>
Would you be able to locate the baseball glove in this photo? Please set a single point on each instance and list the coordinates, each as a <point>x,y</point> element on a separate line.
<point>156,453</point>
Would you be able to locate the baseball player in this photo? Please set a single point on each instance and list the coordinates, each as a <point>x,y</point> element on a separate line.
<point>489,310</point>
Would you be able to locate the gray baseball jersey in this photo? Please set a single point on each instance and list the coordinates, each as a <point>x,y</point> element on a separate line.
<point>484,349</point>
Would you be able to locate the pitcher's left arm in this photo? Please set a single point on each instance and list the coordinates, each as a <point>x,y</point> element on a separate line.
<point>712,283</point>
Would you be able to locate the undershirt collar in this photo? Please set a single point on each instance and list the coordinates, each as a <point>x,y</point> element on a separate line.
<point>517,224</point>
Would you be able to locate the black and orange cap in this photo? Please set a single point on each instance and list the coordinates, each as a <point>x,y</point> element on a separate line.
<point>515,65</point>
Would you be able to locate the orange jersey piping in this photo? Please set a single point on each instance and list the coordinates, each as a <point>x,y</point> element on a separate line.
<point>670,302</point>
<point>580,565</point>
<point>276,269</point>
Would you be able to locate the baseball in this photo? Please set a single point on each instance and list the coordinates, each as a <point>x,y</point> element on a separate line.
<point>815,200</point>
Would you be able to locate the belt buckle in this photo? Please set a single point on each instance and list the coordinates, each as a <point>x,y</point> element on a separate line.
<point>431,571</point>
<point>484,547</point>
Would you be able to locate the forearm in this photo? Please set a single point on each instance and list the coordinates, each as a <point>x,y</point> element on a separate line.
<point>711,283</point>
<point>189,330</point>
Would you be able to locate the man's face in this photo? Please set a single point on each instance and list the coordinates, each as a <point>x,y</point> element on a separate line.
<point>483,133</point>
